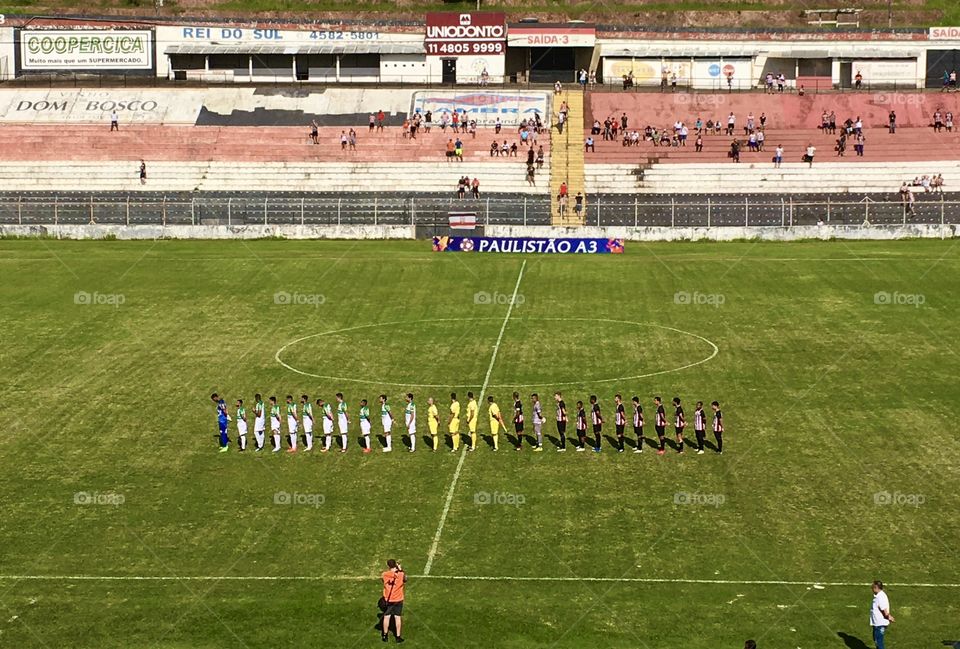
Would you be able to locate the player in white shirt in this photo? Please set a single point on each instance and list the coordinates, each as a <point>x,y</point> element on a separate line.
<point>241,425</point>
<point>364,419</point>
<point>259,421</point>
<point>293,423</point>
<point>387,420</point>
<point>537,421</point>
<point>343,421</point>
<point>410,418</point>
<point>880,617</point>
<point>306,417</point>
<point>326,414</point>
<point>275,424</point>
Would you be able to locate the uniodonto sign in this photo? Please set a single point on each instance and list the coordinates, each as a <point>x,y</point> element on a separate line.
<point>86,49</point>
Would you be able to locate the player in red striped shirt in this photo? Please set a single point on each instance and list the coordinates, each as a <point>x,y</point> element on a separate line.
<point>581,427</point>
<point>700,426</point>
<point>680,422</point>
<point>638,424</point>
<point>660,423</point>
<point>620,421</point>
<point>597,422</point>
<point>718,425</point>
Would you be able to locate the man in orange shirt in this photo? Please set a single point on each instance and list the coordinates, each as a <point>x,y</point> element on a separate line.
<point>394,579</point>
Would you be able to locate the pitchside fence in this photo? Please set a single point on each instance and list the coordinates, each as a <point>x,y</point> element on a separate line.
<point>600,210</point>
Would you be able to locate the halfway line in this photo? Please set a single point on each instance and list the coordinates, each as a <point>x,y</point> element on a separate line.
<point>463,453</point>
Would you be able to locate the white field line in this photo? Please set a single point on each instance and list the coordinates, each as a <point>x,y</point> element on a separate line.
<point>463,453</point>
<point>348,578</point>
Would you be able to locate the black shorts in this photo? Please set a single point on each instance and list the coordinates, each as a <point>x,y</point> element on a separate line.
<point>700,433</point>
<point>394,608</point>
<point>638,431</point>
<point>679,431</point>
<point>561,426</point>
<point>620,430</point>
<point>518,426</point>
<point>597,428</point>
<point>661,430</point>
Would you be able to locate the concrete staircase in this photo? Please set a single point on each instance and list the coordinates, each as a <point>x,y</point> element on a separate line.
<point>567,158</point>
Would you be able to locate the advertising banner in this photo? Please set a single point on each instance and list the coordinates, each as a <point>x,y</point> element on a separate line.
<point>466,33</point>
<point>485,107</point>
<point>539,245</point>
<point>86,49</point>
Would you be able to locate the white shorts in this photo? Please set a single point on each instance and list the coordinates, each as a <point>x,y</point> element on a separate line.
<point>387,424</point>
<point>259,425</point>
<point>292,424</point>
<point>275,425</point>
<point>365,426</point>
<point>342,423</point>
<point>327,426</point>
<point>241,427</point>
<point>412,427</point>
<point>307,425</point>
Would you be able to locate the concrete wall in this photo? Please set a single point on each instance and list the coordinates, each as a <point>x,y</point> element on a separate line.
<point>879,232</point>
<point>210,231</point>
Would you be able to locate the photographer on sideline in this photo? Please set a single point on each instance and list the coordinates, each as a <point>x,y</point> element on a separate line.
<point>394,579</point>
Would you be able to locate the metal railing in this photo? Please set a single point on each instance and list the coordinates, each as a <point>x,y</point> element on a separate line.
<point>600,210</point>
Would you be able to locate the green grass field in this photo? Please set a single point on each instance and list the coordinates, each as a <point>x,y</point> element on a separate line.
<point>835,405</point>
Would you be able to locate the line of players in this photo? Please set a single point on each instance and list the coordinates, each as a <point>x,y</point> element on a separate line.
<point>300,415</point>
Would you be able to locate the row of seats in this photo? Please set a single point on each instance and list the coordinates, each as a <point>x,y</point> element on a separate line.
<point>425,177</point>
<point>763,177</point>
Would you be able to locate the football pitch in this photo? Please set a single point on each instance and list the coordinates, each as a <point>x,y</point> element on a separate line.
<point>836,365</point>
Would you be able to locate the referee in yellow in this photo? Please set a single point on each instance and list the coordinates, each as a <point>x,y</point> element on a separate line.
<point>454,424</point>
<point>473,412</point>
<point>496,421</point>
<point>433,423</point>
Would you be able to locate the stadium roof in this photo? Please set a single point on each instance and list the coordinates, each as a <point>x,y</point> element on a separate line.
<point>326,48</point>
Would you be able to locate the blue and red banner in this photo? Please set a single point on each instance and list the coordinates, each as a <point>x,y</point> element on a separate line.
<point>532,245</point>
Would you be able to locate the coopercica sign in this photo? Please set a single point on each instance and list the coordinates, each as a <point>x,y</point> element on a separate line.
<point>86,49</point>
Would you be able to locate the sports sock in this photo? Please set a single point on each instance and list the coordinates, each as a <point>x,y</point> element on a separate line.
<point>276,440</point>
<point>719,437</point>
<point>473,440</point>
<point>258,434</point>
<point>436,442</point>
<point>640,440</point>
<point>293,440</point>
<point>387,436</point>
<point>519,440</point>
<point>496,441</point>
<point>681,446</point>
<point>455,439</point>
<point>539,438</point>
<point>308,440</point>
<point>243,441</point>
<point>663,442</point>
<point>343,441</point>
<point>596,436</point>
<point>326,443</point>
<point>413,441</point>
<point>563,440</point>
<point>583,441</point>
<point>700,437</point>
<point>224,440</point>
<point>366,441</point>
<point>620,442</point>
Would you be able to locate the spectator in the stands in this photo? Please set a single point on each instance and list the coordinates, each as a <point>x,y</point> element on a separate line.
<point>494,149</point>
<point>892,122</point>
<point>937,120</point>
<point>497,126</point>
<point>475,187</point>
<point>343,140</point>
<point>858,144</point>
<point>505,149</point>
<point>557,88</point>
<point>352,139</point>
<point>698,145</point>
<point>735,150</point>
<point>381,118</point>
<point>373,121</point>
<point>731,123</point>
<point>531,176</point>
<point>778,156</point>
<point>314,132</point>
<point>578,203</point>
<point>808,156</point>
<point>458,149</point>
<point>513,149</point>
<point>588,146</point>
<point>948,122</point>
<point>451,150</point>
<point>858,80</point>
<point>540,158</point>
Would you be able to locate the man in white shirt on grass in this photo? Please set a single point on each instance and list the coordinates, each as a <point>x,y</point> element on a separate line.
<point>880,617</point>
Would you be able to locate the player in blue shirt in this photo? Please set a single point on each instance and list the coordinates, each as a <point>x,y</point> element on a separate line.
<point>222,419</point>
